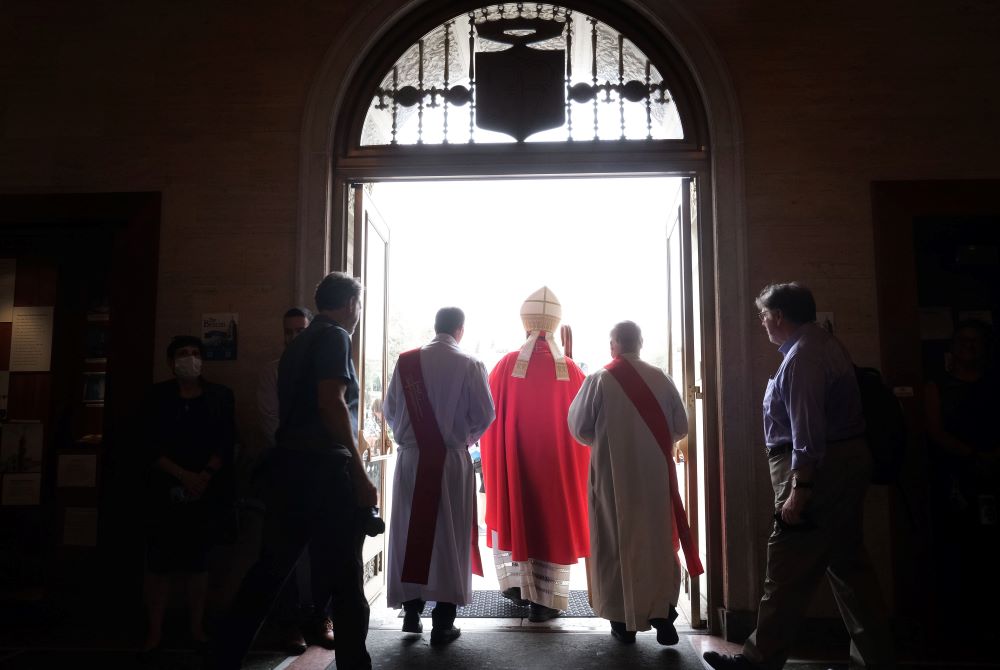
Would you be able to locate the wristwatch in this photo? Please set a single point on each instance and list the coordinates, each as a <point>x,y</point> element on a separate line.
<point>799,484</point>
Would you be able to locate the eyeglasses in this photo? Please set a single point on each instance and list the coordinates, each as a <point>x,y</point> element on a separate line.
<point>763,314</point>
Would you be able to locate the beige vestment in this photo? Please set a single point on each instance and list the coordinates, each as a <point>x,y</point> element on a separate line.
<point>634,571</point>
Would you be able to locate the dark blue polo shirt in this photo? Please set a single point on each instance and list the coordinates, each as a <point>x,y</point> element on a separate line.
<point>320,352</point>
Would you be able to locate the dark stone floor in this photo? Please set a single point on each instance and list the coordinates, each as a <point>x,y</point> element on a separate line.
<point>479,650</point>
<point>58,638</point>
<point>475,650</point>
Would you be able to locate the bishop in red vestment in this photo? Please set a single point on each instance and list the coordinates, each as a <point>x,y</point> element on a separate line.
<point>535,473</point>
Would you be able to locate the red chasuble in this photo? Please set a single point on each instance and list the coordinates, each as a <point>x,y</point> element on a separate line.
<point>534,471</point>
<point>430,471</point>
<point>652,414</point>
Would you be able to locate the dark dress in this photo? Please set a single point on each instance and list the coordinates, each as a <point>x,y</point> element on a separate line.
<point>968,412</point>
<point>964,491</point>
<point>190,432</point>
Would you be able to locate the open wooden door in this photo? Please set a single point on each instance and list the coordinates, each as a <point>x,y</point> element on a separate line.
<point>685,366</point>
<point>370,263</point>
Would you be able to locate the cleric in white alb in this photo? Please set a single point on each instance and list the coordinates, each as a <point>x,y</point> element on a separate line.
<point>453,384</point>
<point>634,572</point>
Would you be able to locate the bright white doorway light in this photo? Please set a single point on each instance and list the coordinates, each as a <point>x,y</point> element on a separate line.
<point>599,243</point>
<point>484,246</point>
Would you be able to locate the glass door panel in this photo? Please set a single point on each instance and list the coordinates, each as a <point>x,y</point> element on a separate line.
<point>684,367</point>
<point>371,248</point>
<point>692,393</point>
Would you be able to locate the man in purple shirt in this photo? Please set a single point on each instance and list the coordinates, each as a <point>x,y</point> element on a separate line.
<point>820,469</point>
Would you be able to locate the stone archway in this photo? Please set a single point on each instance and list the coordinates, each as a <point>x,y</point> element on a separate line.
<point>320,220</point>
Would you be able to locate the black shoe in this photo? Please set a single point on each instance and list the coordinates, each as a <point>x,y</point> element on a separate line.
<point>727,662</point>
<point>622,634</point>
<point>292,641</point>
<point>666,634</point>
<point>411,622</point>
<point>513,594</point>
<point>444,635</point>
<point>149,657</point>
<point>539,613</point>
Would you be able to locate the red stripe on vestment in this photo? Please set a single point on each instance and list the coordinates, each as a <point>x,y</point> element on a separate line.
<point>649,409</point>
<point>430,474</point>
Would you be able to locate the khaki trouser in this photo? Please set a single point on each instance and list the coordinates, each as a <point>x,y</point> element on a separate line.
<point>798,560</point>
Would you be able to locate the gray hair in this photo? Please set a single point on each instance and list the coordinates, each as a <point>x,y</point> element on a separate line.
<point>336,290</point>
<point>795,301</point>
<point>449,320</point>
<point>628,335</point>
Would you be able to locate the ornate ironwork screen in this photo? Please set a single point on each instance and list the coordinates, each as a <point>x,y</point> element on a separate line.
<point>517,72</point>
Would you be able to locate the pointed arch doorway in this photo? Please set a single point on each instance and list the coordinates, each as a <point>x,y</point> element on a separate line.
<point>336,232</point>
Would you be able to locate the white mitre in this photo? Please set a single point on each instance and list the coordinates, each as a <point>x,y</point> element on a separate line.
<point>541,312</point>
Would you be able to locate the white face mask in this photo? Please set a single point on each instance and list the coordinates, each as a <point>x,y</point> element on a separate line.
<point>187,367</point>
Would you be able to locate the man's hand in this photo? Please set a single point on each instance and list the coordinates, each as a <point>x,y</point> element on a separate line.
<point>367,494</point>
<point>791,511</point>
<point>194,483</point>
<point>337,418</point>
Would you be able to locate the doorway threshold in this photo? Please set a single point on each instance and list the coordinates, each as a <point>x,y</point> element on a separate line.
<point>387,618</point>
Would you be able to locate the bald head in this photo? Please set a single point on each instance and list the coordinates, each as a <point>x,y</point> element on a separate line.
<point>626,338</point>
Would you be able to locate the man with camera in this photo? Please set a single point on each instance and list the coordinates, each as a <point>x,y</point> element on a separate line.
<point>317,493</point>
<point>438,403</point>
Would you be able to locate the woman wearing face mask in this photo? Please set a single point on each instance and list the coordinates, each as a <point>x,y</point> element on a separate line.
<point>190,434</point>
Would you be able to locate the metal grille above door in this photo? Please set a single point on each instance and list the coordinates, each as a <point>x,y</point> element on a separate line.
<point>521,72</point>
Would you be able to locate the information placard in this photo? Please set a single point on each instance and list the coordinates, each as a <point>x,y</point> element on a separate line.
<point>31,339</point>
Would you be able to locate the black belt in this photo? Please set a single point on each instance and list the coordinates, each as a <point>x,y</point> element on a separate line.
<point>786,447</point>
<point>779,449</point>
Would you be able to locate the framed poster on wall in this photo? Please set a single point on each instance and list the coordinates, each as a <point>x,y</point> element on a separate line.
<point>219,334</point>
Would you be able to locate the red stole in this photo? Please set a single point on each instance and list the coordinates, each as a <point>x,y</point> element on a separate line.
<point>649,409</point>
<point>430,473</point>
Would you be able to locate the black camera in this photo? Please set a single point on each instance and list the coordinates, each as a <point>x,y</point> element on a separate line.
<point>805,524</point>
<point>372,522</point>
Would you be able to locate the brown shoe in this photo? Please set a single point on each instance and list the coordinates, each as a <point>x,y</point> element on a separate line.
<point>320,633</point>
